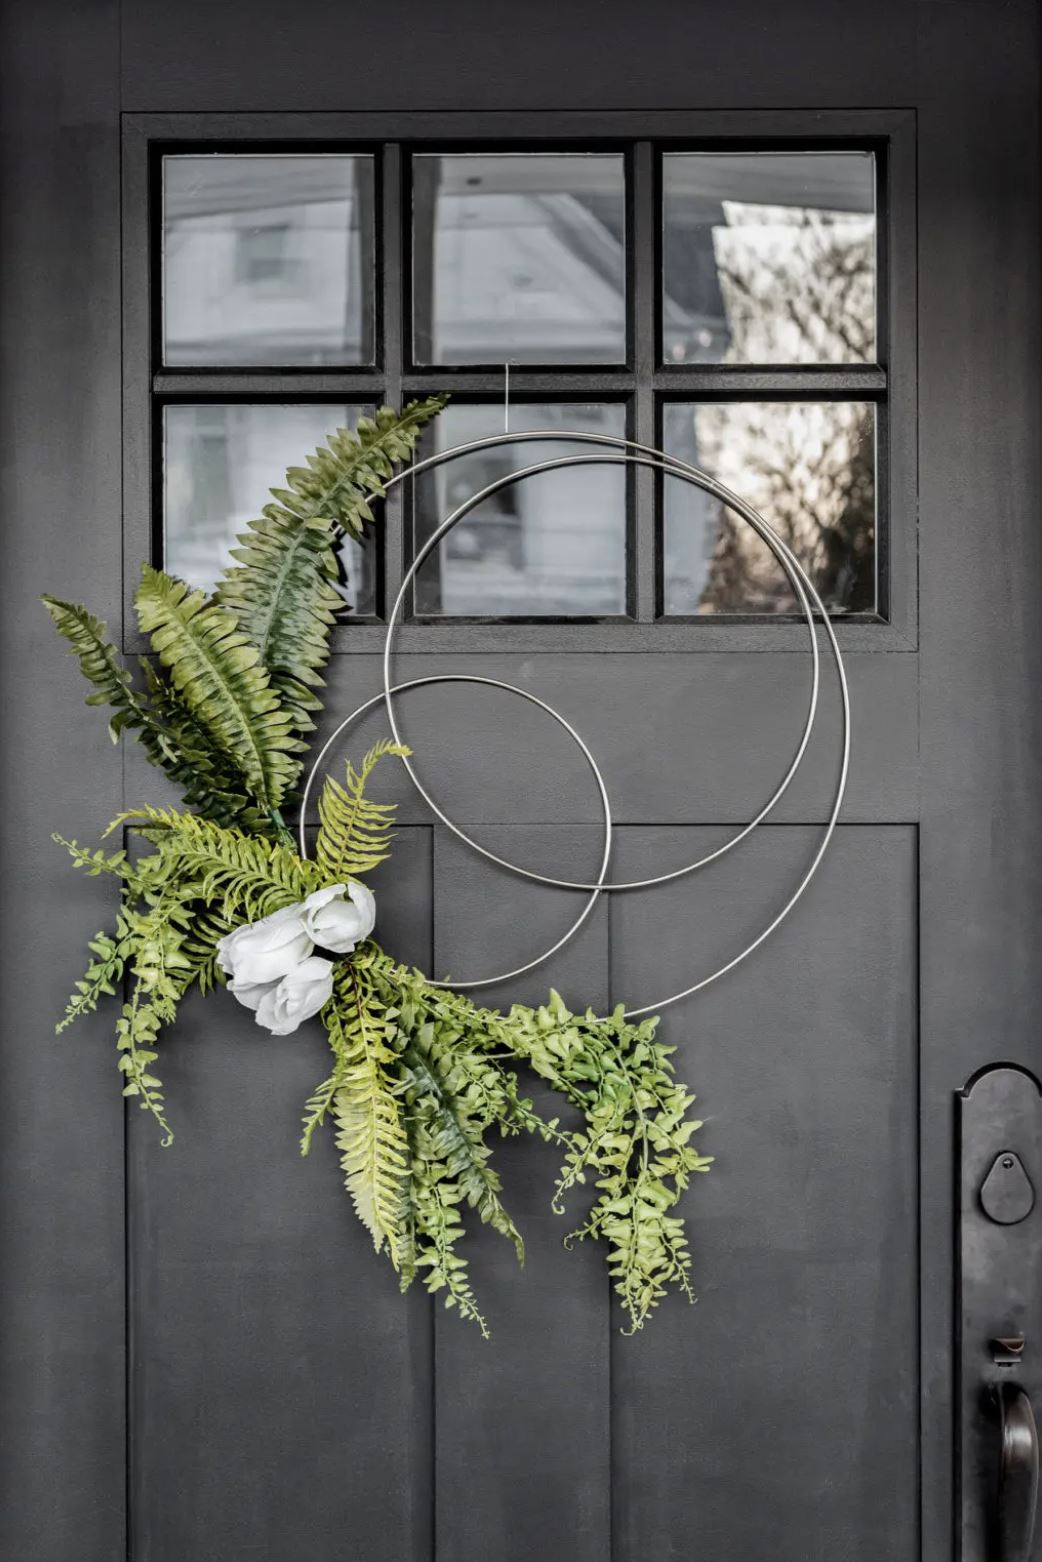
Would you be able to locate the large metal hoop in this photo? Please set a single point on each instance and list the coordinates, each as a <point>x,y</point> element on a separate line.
<point>649,456</point>
<point>660,463</point>
<point>524,694</point>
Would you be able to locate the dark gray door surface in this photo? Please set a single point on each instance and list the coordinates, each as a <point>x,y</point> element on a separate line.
<point>201,1360</point>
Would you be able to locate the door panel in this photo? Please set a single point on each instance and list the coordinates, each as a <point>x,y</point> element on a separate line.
<point>786,1402</point>
<point>701,735</point>
<point>271,1353</point>
<point>527,1414</point>
<point>280,1386</point>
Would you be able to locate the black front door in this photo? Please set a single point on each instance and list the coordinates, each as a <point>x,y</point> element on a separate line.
<point>796,245</point>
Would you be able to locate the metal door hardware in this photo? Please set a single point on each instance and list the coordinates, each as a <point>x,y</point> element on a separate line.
<point>999,1313</point>
<point>1007,1195</point>
<point>1017,1496</point>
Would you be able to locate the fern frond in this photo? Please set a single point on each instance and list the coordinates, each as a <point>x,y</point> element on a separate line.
<point>635,1145</point>
<point>283,588</point>
<point>136,1032</point>
<point>370,1132</point>
<point>172,737</point>
<point>162,974</point>
<point>210,782</point>
<point>318,1107</point>
<point>133,712</point>
<point>354,835</point>
<point>102,976</point>
<point>95,863</point>
<point>218,673</point>
<point>439,1094</point>
<point>239,877</point>
<point>99,661</point>
<point>439,1228</point>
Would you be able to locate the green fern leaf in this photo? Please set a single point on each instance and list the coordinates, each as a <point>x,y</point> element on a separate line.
<point>100,663</point>
<point>371,1135</point>
<point>283,588</point>
<point>634,1146</point>
<point>218,674</point>
<point>238,877</point>
<point>441,1091</point>
<point>210,782</point>
<point>354,835</point>
<point>162,721</point>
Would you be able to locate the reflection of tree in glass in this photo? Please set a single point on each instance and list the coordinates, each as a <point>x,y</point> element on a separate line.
<point>798,285</point>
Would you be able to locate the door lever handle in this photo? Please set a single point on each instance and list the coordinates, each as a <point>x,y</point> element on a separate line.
<point>1018,1474</point>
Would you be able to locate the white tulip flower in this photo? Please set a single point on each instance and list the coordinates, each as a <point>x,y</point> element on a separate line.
<point>338,924</point>
<point>265,951</point>
<point>300,994</point>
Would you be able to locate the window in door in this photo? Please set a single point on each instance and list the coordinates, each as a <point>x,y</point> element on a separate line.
<point>726,304</point>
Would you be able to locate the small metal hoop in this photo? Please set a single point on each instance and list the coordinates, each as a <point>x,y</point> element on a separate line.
<point>493,683</point>
<point>658,463</point>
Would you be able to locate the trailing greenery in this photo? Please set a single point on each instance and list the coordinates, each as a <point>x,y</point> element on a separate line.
<point>421,1080</point>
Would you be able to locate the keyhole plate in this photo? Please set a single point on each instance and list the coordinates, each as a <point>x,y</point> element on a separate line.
<point>1007,1195</point>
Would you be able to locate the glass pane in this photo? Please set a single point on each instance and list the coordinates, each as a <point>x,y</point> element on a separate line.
<point>808,468</point>
<point>220,461</point>
<point>519,257</point>
<point>267,260</point>
<point>769,257</point>
<point>549,546</point>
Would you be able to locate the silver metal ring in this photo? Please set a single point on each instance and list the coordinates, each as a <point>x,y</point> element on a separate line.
<point>803,587</point>
<point>493,683</point>
<point>540,878</point>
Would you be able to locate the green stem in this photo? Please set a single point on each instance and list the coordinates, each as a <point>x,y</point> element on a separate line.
<point>282,828</point>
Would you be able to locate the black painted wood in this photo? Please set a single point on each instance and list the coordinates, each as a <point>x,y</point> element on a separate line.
<point>707,736</point>
<point>981,659</point>
<point>280,1388</point>
<point>778,1417</point>
<point>615,56</point>
<point>523,1421</point>
<point>781,1417</point>
<point>62,1475</point>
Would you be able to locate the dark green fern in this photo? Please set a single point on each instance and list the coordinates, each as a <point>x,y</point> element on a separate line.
<point>283,587</point>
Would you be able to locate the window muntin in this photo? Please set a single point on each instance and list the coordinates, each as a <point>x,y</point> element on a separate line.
<point>809,468</point>
<point>769,257</point>
<point>519,257</point>
<point>267,260</point>
<point>221,459</point>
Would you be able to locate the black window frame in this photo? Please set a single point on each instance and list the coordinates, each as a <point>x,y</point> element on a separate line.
<point>644,383</point>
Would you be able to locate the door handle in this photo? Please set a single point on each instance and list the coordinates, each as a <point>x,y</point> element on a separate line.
<point>999,1317</point>
<point>1018,1474</point>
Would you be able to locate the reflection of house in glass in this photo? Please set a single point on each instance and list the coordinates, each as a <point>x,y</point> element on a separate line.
<point>766,258</point>
<point>267,260</point>
<point>220,461</point>
<point>550,544</point>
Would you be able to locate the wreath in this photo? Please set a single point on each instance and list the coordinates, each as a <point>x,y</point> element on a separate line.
<point>421,1078</point>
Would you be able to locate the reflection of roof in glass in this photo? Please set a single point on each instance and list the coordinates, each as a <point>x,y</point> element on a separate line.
<point>528,251</point>
<point>216,184</point>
